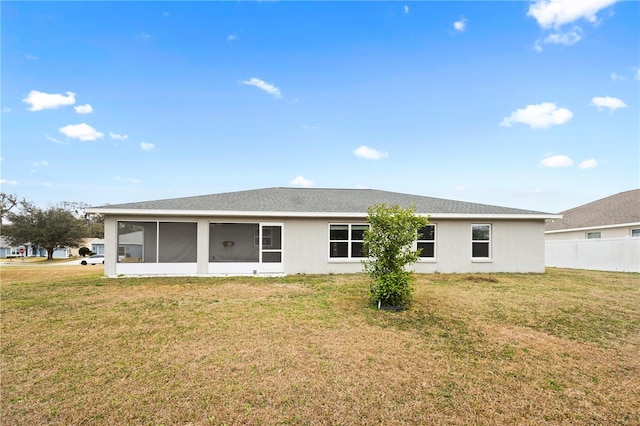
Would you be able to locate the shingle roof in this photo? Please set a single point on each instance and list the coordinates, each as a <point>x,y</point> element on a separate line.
<point>623,207</point>
<point>314,200</point>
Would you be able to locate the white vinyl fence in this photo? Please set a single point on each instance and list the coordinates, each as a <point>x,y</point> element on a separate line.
<point>605,254</point>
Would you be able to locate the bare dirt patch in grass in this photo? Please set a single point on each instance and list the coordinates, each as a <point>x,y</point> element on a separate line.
<point>555,348</point>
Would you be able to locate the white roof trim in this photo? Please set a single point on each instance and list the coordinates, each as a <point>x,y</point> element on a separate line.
<point>206,213</point>
<point>589,228</point>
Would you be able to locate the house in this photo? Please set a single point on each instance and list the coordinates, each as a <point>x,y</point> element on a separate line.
<point>28,250</point>
<point>610,217</point>
<point>96,245</point>
<point>600,235</point>
<point>301,230</point>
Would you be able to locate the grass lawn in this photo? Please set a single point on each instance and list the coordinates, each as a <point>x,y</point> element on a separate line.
<point>555,348</point>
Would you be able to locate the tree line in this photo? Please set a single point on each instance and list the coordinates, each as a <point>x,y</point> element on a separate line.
<point>64,224</point>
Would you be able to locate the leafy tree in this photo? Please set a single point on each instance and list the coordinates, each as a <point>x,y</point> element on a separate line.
<point>388,245</point>
<point>47,228</point>
<point>94,223</point>
<point>7,202</point>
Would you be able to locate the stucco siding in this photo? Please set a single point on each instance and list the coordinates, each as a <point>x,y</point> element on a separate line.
<point>516,246</point>
<point>609,232</point>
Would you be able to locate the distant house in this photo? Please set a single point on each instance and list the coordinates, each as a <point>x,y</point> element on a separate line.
<point>610,217</point>
<point>27,250</point>
<point>296,230</point>
<point>600,235</point>
<point>96,246</point>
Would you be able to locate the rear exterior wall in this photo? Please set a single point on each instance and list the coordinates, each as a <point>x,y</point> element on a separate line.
<point>515,246</point>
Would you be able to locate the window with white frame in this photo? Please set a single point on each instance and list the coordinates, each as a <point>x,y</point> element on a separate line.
<point>267,237</point>
<point>481,241</point>
<point>346,241</point>
<point>635,232</point>
<point>594,235</point>
<point>427,242</point>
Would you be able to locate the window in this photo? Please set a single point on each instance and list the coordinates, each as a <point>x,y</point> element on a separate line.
<point>635,232</point>
<point>245,242</point>
<point>271,244</point>
<point>427,242</point>
<point>266,237</point>
<point>234,242</point>
<point>481,241</point>
<point>137,242</point>
<point>177,242</point>
<point>592,235</point>
<point>346,241</point>
<point>157,242</point>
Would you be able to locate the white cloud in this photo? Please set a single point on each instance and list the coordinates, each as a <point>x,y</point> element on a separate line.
<point>8,182</point>
<point>82,131</point>
<point>540,116</point>
<point>607,102</point>
<point>232,37</point>
<point>117,136</point>
<point>617,77</point>
<point>368,153</point>
<point>83,109</point>
<point>460,25</point>
<point>638,74</point>
<point>47,184</point>
<point>52,139</point>
<point>538,46</point>
<point>589,164</point>
<point>568,38</point>
<point>557,161</point>
<point>6,109</point>
<point>146,146</point>
<point>555,13</point>
<point>267,87</point>
<point>41,100</point>
<point>133,180</point>
<point>301,181</point>
<point>31,57</point>
<point>40,163</point>
<point>406,9</point>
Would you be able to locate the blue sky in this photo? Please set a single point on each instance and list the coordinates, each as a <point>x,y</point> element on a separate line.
<point>521,104</point>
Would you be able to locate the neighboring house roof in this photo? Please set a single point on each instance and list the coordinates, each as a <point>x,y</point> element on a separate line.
<point>311,202</point>
<point>136,237</point>
<point>618,209</point>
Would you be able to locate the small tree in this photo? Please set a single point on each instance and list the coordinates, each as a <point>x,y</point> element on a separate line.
<point>84,251</point>
<point>388,245</point>
<point>7,202</point>
<point>47,228</point>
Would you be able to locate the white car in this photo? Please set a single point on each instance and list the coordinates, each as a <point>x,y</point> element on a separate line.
<point>95,259</point>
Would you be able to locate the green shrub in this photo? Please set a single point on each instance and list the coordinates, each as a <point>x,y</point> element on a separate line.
<point>388,247</point>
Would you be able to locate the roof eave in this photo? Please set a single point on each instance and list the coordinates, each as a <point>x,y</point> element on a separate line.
<point>233,213</point>
<point>589,228</point>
